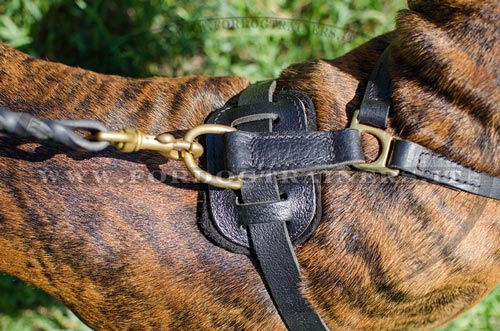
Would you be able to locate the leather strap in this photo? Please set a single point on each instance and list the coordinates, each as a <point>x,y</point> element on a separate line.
<point>253,154</point>
<point>262,212</point>
<point>374,109</point>
<point>274,212</point>
<point>259,92</point>
<point>418,161</point>
<point>413,159</point>
<point>274,252</point>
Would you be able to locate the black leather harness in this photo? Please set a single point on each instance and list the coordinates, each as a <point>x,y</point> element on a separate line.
<point>278,153</point>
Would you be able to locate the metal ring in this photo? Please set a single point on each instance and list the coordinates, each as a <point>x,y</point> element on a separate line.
<point>202,176</point>
<point>64,131</point>
<point>380,164</point>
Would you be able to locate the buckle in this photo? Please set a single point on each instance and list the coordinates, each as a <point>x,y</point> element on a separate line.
<point>378,166</point>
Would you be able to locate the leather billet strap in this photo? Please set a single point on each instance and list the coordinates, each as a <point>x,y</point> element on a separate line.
<point>267,227</point>
<point>414,160</point>
<point>273,249</point>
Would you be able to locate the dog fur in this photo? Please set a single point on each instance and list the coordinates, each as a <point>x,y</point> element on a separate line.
<point>115,237</point>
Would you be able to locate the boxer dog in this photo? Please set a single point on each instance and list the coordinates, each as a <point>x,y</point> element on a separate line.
<point>116,237</point>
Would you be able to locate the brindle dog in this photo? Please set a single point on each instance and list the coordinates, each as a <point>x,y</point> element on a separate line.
<point>126,253</point>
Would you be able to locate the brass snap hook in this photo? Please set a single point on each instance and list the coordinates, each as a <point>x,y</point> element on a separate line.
<point>186,149</point>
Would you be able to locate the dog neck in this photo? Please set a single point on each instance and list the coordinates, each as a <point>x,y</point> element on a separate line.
<point>445,73</point>
<point>446,80</point>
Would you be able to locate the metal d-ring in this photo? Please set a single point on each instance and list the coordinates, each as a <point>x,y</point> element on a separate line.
<point>380,164</point>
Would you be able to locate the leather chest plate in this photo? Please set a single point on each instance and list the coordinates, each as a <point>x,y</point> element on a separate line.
<point>289,111</point>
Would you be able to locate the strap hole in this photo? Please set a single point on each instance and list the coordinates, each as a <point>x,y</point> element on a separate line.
<point>283,196</point>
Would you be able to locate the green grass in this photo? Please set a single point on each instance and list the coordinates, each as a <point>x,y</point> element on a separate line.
<point>483,317</point>
<point>25,308</point>
<point>140,38</point>
<point>160,37</point>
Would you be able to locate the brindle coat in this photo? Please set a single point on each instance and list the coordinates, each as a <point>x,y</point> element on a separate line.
<point>125,252</point>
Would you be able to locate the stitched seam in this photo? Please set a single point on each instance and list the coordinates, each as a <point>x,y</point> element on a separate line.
<point>220,114</point>
<point>297,108</point>
<point>306,103</point>
<point>434,173</point>
<point>255,140</point>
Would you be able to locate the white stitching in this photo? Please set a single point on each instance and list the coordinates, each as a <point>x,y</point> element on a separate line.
<point>220,114</point>
<point>435,173</point>
<point>297,108</point>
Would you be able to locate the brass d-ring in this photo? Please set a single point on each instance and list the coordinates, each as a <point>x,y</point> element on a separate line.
<point>380,165</point>
<point>202,176</point>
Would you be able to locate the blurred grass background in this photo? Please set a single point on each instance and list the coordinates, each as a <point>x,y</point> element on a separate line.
<point>162,37</point>
<point>139,38</point>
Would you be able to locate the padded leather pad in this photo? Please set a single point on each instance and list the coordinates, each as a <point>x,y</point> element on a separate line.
<point>290,111</point>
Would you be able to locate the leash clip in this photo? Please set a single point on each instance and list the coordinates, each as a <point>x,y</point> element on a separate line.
<point>380,164</point>
<point>186,149</point>
<point>132,140</point>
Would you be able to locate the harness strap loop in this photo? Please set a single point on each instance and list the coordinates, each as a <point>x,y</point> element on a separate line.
<point>374,109</point>
<point>256,154</point>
